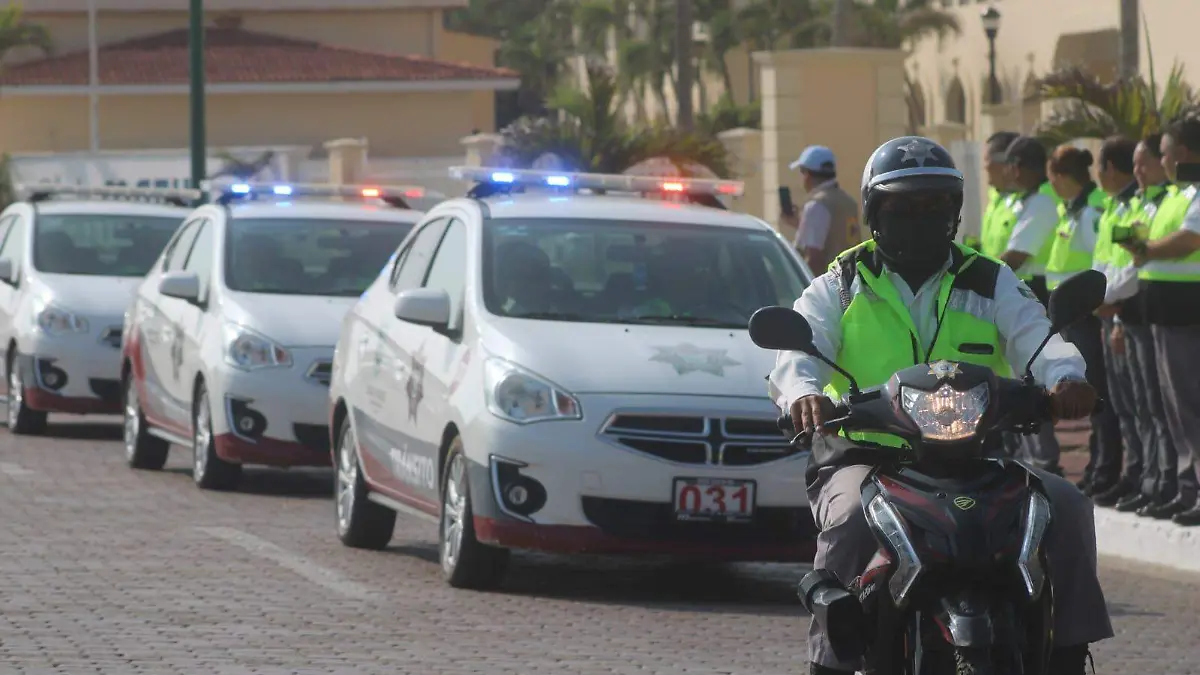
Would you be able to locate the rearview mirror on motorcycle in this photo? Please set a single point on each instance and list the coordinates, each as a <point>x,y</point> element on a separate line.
<point>784,329</point>
<point>1071,302</point>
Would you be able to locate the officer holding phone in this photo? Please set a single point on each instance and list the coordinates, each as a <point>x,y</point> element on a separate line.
<point>828,223</point>
<point>1169,264</point>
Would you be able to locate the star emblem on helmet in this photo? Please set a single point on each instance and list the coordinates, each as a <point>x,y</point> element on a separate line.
<point>918,151</point>
<point>944,370</point>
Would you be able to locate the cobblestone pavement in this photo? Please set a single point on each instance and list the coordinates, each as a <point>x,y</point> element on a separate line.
<point>108,570</point>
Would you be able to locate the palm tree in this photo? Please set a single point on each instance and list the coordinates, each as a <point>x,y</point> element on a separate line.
<point>1133,107</point>
<point>1129,38</point>
<point>16,32</point>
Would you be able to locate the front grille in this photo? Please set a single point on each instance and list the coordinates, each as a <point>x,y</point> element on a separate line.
<point>653,521</point>
<point>692,439</point>
<point>320,372</point>
<point>314,436</point>
<point>112,336</point>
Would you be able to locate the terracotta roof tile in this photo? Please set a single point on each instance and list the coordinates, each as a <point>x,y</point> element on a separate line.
<point>236,56</point>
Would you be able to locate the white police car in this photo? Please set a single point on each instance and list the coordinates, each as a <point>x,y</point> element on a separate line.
<point>545,369</point>
<point>229,341</point>
<point>70,258</point>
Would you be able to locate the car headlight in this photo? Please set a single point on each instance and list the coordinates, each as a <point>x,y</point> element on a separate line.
<point>249,350</point>
<point>1037,519</point>
<point>55,321</point>
<point>887,521</point>
<point>946,414</point>
<point>519,396</point>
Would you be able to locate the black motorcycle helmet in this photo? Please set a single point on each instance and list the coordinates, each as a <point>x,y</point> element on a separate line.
<point>923,191</point>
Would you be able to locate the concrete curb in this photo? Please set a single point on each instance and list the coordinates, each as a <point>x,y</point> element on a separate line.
<point>1125,535</point>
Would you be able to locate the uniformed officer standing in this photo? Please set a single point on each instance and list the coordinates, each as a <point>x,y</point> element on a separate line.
<point>1116,180</point>
<point>1035,209</point>
<point>1170,263</point>
<point>998,218</point>
<point>828,223</point>
<point>910,295</point>
<point>1132,339</point>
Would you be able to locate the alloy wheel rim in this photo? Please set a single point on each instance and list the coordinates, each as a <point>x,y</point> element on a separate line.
<point>347,479</point>
<point>16,396</point>
<point>202,436</point>
<point>454,503</point>
<point>132,421</point>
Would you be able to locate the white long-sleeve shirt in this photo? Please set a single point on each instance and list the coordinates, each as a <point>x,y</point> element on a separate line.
<point>1037,217</point>
<point>1018,315</point>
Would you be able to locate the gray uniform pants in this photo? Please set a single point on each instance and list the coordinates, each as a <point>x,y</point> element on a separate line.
<point>1159,463</point>
<point>1124,404</point>
<point>845,545</point>
<point>1178,349</point>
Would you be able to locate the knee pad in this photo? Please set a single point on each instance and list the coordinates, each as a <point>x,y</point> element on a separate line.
<point>1071,660</point>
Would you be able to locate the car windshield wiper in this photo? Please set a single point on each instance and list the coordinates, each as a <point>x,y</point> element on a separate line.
<point>685,320</point>
<point>554,316</point>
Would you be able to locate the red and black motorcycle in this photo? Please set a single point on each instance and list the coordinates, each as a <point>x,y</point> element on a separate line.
<point>959,584</point>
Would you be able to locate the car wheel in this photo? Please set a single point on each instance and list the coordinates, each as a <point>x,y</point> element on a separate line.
<point>142,451</point>
<point>361,523</point>
<point>22,420</point>
<point>209,471</point>
<point>466,563</point>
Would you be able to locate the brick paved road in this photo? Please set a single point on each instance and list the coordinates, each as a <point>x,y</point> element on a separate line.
<point>106,570</point>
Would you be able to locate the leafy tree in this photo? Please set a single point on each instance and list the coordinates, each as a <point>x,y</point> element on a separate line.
<point>16,32</point>
<point>8,193</point>
<point>726,114</point>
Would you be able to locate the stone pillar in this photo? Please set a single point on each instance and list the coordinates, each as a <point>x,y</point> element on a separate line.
<point>849,99</point>
<point>481,147</point>
<point>999,117</point>
<point>745,160</point>
<point>347,160</point>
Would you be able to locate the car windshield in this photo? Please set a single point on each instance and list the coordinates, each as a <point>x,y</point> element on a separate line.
<point>302,256</point>
<point>613,271</point>
<point>110,245</point>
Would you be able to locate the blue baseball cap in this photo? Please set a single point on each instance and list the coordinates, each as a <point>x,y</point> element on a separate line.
<point>817,158</point>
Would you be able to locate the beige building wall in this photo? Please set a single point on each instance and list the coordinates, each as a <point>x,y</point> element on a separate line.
<point>397,125</point>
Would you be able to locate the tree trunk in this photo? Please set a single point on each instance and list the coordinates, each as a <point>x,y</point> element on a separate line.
<point>685,79</point>
<point>841,23</point>
<point>1130,44</point>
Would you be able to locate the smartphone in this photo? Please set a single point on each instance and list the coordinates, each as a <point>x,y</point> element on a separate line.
<point>1188,172</point>
<point>786,205</point>
<point>1122,233</point>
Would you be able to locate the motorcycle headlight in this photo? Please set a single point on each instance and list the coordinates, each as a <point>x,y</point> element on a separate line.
<point>1037,519</point>
<point>516,395</point>
<point>946,414</point>
<point>55,321</point>
<point>249,350</point>
<point>886,520</point>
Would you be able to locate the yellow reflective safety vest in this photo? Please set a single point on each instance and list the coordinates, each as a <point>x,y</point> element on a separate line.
<point>1074,239</point>
<point>1138,216</point>
<point>880,338</point>
<point>1167,221</point>
<point>1115,212</point>
<point>998,221</point>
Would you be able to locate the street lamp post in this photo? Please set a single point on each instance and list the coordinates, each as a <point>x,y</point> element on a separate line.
<point>991,26</point>
<point>199,146</point>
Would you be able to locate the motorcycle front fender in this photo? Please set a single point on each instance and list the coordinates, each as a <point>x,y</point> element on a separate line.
<point>972,618</point>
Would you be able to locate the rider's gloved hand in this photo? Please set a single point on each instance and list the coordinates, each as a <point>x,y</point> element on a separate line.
<point>1072,400</point>
<point>809,412</point>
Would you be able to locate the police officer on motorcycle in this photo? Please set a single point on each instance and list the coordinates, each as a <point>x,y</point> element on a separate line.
<point>884,306</point>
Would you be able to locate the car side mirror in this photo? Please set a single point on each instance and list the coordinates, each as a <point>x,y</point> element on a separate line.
<point>182,285</point>
<point>424,307</point>
<point>7,272</point>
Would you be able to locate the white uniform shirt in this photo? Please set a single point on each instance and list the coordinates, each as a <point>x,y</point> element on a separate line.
<point>1037,218</point>
<point>1191,220</point>
<point>1018,315</point>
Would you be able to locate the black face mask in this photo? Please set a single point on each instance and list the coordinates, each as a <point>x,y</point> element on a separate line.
<point>913,245</point>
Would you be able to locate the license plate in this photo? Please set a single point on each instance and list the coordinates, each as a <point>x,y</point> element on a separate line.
<point>719,499</point>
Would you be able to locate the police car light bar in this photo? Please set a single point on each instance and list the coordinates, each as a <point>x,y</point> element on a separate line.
<point>389,193</point>
<point>598,181</point>
<point>43,191</point>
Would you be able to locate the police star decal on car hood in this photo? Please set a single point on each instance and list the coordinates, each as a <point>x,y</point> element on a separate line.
<point>687,358</point>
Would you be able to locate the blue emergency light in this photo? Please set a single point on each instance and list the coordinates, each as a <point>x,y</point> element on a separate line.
<point>507,179</point>
<point>394,195</point>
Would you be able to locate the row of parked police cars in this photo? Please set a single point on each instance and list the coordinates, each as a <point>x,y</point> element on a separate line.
<point>555,361</point>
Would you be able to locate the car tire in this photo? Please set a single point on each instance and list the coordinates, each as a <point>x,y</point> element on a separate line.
<point>142,451</point>
<point>22,420</point>
<point>466,563</point>
<point>209,471</point>
<point>361,523</point>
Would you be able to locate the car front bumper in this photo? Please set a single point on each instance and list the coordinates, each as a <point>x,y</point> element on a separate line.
<point>603,496</point>
<point>274,416</point>
<point>77,373</point>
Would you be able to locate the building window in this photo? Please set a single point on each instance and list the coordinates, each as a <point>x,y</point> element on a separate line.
<point>956,102</point>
